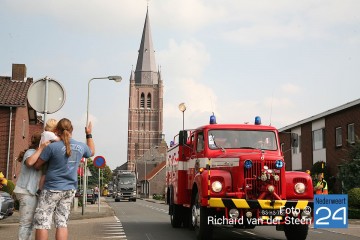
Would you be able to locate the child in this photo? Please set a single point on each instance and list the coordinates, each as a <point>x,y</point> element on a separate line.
<point>47,135</point>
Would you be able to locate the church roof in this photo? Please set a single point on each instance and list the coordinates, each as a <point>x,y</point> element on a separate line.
<point>146,58</point>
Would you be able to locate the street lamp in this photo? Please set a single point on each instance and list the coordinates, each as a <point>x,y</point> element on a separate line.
<point>113,78</point>
<point>182,108</point>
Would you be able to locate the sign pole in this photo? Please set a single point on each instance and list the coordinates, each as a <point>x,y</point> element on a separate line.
<point>99,193</point>
<point>99,162</point>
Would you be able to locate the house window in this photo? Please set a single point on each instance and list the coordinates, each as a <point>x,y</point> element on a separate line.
<point>142,100</point>
<point>351,133</point>
<point>318,139</point>
<point>297,149</point>
<point>148,101</point>
<point>338,137</point>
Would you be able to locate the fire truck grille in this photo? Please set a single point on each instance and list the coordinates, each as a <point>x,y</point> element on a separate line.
<point>252,176</point>
<point>126,189</point>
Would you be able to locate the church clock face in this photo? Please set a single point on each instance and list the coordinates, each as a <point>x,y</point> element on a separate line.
<point>146,76</point>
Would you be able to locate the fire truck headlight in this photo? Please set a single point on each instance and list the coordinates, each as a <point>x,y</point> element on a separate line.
<point>216,186</point>
<point>300,187</point>
<point>279,164</point>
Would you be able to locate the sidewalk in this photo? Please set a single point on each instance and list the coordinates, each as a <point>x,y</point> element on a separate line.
<point>90,211</point>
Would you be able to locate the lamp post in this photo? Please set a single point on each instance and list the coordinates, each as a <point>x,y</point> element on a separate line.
<point>113,78</point>
<point>182,108</point>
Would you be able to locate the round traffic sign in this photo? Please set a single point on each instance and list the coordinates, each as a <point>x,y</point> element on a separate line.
<point>99,162</point>
<point>51,103</point>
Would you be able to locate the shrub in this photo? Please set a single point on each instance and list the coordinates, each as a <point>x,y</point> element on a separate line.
<point>9,188</point>
<point>354,213</point>
<point>354,197</point>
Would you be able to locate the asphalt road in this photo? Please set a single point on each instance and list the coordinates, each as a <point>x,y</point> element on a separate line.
<point>144,220</point>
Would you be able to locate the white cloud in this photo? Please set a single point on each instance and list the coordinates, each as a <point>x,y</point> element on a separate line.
<point>290,88</point>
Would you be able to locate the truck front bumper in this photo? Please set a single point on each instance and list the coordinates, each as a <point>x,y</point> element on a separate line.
<point>265,212</point>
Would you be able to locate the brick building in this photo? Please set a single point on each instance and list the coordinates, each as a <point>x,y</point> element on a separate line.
<point>326,137</point>
<point>145,114</point>
<point>17,119</point>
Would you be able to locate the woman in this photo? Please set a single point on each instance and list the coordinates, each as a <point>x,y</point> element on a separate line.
<point>27,185</point>
<point>63,158</point>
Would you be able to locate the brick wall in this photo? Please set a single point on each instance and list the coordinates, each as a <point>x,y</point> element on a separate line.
<point>18,72</point>
<point>306,146</point>
<point>157,183</point>
<point>335,155</point>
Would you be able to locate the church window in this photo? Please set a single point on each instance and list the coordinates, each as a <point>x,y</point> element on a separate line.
<point>149,101</point>
<point>142,100</point>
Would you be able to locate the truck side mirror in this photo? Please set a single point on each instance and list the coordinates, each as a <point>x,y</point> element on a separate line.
<point>182,138</point>
<point>294,139</point>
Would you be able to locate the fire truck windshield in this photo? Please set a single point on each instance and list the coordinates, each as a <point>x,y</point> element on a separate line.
<point>229,139</point>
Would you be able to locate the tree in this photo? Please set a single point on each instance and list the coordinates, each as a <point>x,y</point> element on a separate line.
<point>349,171</point>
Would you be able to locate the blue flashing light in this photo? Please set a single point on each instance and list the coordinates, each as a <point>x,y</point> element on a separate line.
<point>212,119</point>
<point>248,164</point>
<point>257,120</point>
<point>279,164</point>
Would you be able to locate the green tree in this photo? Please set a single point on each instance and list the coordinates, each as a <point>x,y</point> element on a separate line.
<point>105,174</point>
<point>349,171</point>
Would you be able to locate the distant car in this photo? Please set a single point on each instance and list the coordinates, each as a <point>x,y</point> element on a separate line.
<point>110,193</point>
<point>6,205</point>
<point>90,196</point>
<point>79,193</point>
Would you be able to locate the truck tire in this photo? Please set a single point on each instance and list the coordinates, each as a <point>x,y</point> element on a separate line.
<point>176,215</point>
<point>199,221</point>
<point>296,232</point>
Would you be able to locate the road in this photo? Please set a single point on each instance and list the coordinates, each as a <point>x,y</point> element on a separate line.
<point>144,220</point>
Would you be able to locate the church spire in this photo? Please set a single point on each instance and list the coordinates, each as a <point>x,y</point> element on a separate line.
<point>146,72</point>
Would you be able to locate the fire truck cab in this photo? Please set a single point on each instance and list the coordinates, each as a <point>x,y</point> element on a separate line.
<point>234,174</point>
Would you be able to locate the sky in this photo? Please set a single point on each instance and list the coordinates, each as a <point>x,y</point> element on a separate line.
<point>283,60</point>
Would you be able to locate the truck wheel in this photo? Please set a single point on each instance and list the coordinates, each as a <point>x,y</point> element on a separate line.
<point>176,215</point>
<point>199,221</point>
<point>296,232</point>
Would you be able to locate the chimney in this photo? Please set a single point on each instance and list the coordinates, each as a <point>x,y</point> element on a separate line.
<point>19,72</point>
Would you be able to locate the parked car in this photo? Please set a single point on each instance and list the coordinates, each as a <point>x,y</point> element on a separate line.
<point>90,195</point>
<point>79,193</point>
<point>6,205</point>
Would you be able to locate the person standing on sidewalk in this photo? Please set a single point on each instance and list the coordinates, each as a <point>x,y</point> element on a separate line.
<point>96,193</point>
<point>321,185</point>
<point>63,158</point>
<point>27,186</point>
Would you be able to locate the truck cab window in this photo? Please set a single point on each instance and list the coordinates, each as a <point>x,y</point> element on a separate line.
<point>200,142</point>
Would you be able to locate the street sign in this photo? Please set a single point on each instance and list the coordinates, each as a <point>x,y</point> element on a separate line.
<point>99,162</point>
<point>46,95</point>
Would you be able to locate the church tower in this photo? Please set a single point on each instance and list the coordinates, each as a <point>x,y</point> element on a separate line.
<point>145,123</point>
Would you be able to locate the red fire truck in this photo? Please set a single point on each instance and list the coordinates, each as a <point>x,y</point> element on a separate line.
<point>234,174</point>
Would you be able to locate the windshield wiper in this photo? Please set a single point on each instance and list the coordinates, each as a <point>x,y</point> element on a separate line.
<point>216,145</point>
